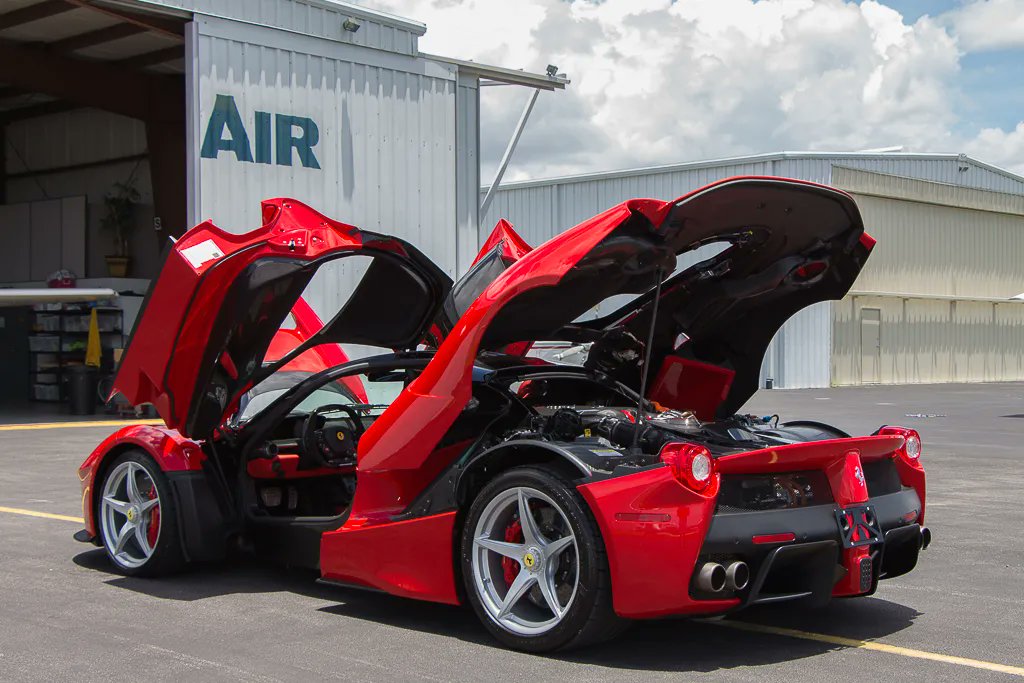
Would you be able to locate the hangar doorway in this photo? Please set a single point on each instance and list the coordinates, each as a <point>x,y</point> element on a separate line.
<point>92,172</point>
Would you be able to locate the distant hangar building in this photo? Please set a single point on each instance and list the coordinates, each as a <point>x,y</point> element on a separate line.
<point>935,301</point>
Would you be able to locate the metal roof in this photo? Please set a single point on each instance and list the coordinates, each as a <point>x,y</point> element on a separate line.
<point>502,75</point>
<point>130,38</point>
<point>369,14</point>
<point>834,157</point>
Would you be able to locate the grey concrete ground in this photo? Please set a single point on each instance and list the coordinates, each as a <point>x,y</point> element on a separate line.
<point>64,615</point>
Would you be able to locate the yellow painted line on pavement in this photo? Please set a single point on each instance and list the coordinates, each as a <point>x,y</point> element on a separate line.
<point>44,515</point>
<point>873,645</point>
<point>76,425</point>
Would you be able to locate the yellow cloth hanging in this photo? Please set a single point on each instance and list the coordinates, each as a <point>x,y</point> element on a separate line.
<point>93,347</point>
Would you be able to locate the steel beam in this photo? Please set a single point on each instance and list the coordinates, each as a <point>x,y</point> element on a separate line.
<point>167,54</point>
<point>27,15</point>
<point>93,38</point>
<point>516,134</point>
<point>92,84</point>
<point>171,29</point>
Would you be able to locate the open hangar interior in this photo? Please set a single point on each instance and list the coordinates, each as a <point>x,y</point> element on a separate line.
<point>935,302</point>
<point>204,108</point>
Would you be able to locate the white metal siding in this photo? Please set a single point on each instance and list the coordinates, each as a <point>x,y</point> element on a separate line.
<point>941,250</point>
<point>467,170</point>
<point>926,340</point>
<point>319,18</point>
<point>547,207</point>
<point>916,242</point>
<point>799,356</point>
<point>386,146</point>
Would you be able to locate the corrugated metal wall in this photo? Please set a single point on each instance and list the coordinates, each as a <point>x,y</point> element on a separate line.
<point>386,149</point>
<point>956,254</point>
<point>915,239</point>
<point>543,208</point>
<point>928,341</point>
<point>467,169</point>
<point>319,18</point>
<point>385,159</point>
<point>938,240</point>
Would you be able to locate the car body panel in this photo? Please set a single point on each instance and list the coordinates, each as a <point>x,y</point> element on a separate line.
<point>172,452</point>
<point>411,558</point>
<point>220,299</point>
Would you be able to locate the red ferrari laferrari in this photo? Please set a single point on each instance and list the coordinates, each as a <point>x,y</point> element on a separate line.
<point>467,462</point>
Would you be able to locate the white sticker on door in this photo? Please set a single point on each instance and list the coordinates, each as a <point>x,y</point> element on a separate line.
<point>198,254</point>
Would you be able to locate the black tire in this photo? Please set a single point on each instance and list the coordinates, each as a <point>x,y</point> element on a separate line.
<point>590,618</point>
<point>168,555</point>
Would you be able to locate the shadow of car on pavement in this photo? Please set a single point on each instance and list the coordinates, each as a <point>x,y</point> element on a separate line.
<point>671,645</point>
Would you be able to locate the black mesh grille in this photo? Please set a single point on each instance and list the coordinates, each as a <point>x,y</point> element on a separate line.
<point>746,492</point>
<point>881,477</point>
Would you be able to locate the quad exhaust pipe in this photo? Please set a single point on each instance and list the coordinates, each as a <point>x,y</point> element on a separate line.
<point>714,578</point>
<point>737,576</point>
<point>926,537</point>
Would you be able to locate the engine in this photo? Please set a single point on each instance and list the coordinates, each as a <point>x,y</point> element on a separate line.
<point>617,428</point>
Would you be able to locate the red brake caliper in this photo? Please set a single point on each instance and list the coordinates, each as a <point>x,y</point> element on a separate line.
<point>154,520</point>
<point>513,534</point>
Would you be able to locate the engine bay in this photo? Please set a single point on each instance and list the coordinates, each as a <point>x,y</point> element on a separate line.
<point>618,429</point>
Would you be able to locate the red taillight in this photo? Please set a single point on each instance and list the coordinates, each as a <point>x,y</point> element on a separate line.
<point>911,448</point>
<point>690,464</point>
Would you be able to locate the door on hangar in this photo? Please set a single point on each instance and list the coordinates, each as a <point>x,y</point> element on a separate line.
<point>870,345</point>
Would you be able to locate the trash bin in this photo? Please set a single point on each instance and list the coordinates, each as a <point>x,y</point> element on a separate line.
<point>82,381</point>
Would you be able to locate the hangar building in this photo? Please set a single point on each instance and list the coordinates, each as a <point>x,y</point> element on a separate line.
<point>934,302</point>
<point>196,109</point>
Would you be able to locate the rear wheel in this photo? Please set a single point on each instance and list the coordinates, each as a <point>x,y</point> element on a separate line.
<point>534,563</point>
<point>138,517</point>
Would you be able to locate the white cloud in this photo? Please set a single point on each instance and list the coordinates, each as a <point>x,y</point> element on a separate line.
<point>656,81</point>
<point>988,24</point>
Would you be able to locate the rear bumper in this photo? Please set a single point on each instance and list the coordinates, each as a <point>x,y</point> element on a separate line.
<point>813,566</point>
<point>658,532</point>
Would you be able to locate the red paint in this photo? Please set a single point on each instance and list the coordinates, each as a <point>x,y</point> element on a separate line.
<point>765,539</point>
<point>172,452</point>
<point>161,365</point>
<point>867,241</point>
<point>412,558</point>
<point>686,384</point>
<point>807,456</point>
<point>513,247</point>
<point>286,466</point>
<point>846,478</point>
<point>651,563</point>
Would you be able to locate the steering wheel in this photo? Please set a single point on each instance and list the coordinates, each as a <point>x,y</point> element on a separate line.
<point>334,443</point>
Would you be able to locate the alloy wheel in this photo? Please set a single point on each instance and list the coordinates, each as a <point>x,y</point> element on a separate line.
<point>130,514</point>
<point>525,561</point>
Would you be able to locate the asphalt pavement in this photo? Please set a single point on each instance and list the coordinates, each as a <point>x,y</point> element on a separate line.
<point>64,614</point>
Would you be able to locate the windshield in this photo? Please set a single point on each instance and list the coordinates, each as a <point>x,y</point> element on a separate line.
<point>379,394</point>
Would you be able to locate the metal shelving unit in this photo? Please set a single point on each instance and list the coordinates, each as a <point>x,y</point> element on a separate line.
<point>61,332</point>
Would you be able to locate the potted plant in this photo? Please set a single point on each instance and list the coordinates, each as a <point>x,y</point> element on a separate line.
<point>120,203</point>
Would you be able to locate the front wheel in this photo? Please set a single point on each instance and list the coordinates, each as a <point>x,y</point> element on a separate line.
<point>534,563</point>
<point>138,517</point>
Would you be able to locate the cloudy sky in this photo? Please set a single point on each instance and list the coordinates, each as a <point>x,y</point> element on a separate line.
<point>662,81</point>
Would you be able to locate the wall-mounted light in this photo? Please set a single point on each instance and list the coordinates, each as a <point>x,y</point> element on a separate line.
<point>351,25</point>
